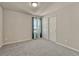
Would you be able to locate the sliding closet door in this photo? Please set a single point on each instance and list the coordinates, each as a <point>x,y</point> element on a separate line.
<point>1,24</point>
<point>52,29</point>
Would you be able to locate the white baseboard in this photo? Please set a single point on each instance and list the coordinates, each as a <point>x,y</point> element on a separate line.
<point>67,46</point>
<point>74,49</point>
<point>6,43</point>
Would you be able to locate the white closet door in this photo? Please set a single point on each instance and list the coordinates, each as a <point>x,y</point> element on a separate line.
<point>52,28</point>
<point>1,18</point>
<point>45,27</point>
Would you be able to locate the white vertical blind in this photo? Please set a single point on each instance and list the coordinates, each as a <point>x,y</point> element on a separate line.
<point>37,27</point>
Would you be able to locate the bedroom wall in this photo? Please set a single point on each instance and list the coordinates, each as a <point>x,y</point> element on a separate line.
<point>67,26</point>
<point>17,27</point>
<point>1,25</point>
<point>64,24</point>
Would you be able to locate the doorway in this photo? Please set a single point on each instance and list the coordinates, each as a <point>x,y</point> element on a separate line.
<point>36,27</point>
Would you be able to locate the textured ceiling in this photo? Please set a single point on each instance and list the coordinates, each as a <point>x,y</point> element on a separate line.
<point>25,7</point>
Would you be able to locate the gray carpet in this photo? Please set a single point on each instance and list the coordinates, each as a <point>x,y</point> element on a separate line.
<point>38,47</point>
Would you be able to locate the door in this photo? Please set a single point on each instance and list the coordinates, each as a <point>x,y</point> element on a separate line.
<point>52,29</point>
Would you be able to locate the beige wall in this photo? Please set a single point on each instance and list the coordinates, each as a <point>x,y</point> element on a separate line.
<point>67,25</point>
<point>64,18</point>
<point>17,27</point>
<point>1,24</point>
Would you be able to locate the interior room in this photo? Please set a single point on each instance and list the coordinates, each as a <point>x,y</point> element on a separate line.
<point>39,28</point>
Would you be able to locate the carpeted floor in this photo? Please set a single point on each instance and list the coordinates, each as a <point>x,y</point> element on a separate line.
<point>38,47</point>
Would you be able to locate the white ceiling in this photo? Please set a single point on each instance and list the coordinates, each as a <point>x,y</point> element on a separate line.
<point>25,7</point>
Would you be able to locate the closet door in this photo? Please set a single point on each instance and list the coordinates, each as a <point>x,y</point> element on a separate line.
<point>1,24</point>
<point>52,29</point>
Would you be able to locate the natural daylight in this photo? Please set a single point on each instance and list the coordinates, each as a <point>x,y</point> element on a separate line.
<point>39,28</point>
